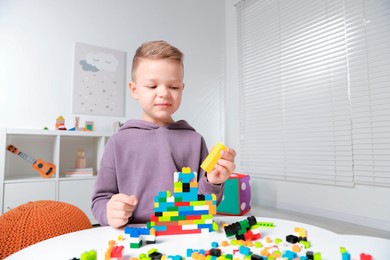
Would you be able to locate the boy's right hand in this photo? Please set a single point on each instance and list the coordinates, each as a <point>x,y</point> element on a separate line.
<point>120,208</point>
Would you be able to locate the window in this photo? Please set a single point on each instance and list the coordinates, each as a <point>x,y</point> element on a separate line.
<point>314,82</point>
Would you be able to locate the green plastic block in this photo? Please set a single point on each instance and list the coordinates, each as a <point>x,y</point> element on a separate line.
<point>306,244</point>
<point>343,250</point>
<point>258,244</point>
<point>151,251</point>
<point>215,226</point>
<point>136,245</point>
<point>317,256</point>
<point>90,255</point>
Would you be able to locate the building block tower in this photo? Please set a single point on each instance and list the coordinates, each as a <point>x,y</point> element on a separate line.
<point>186,211</point>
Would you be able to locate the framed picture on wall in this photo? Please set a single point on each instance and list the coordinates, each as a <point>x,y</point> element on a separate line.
<point>98,81</point>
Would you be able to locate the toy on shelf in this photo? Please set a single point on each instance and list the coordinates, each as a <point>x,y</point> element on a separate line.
<point>45,169</point>
<point>80,159</point>
<point>60,123</point>
<point>186,211</point>
<point>116,125</point>
<point>76,125</point>
<point>88,125</point>
<point>80,169</point>
<point>213,157</point>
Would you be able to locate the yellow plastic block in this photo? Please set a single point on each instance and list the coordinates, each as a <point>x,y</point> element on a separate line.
<point>301,231</point>
<point>164,219</point>
<point>186,170</point>
<point>177,187</point>
<point>213,157</point>
<point>170,213</point>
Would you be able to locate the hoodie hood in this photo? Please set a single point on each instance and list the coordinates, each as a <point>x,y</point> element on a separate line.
<point>144,125</point>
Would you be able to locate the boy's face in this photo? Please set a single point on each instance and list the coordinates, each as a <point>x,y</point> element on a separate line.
<point>158,87</point>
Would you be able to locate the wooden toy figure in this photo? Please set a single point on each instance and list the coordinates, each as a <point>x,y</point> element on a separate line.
<point>60,123</point>
<point>80,159</point>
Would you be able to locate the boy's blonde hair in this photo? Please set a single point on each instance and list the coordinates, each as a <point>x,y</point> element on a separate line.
<point>156,50</point>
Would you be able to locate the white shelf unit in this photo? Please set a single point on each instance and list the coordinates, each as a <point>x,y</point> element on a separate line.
<point>20,183</point>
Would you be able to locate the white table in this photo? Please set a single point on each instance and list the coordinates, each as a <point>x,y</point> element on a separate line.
<point>326,242</point>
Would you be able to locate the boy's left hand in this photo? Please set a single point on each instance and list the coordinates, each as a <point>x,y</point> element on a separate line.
<point>224,167</point>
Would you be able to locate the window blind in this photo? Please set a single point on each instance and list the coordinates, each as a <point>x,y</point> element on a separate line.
<point>368,44</point>
<point>309,111</point>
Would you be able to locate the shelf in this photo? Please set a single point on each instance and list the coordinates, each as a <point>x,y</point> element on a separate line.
<point>21,183</point>
<point>55,132</point>
<point>77,178</point>
<point>27,178</point>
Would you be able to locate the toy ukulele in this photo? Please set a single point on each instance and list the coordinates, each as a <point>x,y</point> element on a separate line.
<point>45,169</point>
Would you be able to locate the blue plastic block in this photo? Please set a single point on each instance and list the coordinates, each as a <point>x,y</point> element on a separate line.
<point>346,256</point>
<point>245,250</point>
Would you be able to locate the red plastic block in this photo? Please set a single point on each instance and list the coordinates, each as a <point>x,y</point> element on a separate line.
<point>364,256</point>
<point>117,251</point>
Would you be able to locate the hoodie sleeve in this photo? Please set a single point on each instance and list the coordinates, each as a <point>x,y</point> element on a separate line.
<point>204,187</point>
<point>105,185</point>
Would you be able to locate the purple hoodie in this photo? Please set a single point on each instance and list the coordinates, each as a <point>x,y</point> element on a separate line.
<point>141,158</point>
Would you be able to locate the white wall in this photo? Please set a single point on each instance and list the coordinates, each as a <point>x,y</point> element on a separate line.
<point>36,64</point>
<point>37,48</point>
<point>361,204</point>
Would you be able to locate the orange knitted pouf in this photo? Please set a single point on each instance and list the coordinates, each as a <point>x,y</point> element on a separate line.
<point>35,221</point>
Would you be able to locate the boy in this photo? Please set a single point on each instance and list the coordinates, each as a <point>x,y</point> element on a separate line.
<point>141,158</point>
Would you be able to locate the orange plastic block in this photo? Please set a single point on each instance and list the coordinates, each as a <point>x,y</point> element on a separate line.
<point>198,256</point>
<point>213,157</point>
<point>111,244</point>
<point>265,252</point>
<point>224,243</point>
<point>296,248</point>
